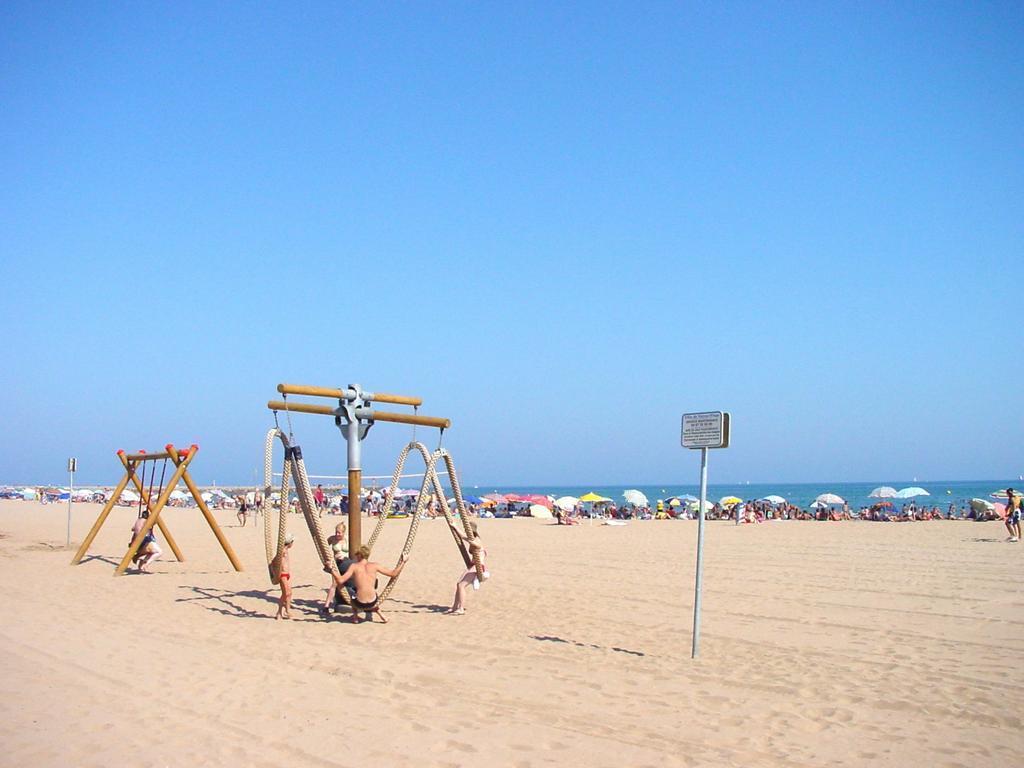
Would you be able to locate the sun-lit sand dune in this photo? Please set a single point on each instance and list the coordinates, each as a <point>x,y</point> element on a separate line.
<point>823,644</point>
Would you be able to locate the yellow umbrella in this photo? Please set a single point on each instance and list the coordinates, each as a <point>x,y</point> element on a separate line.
<point>593,497</point>
<point>728,501</point>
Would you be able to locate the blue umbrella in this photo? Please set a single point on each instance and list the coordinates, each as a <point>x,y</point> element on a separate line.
<point>472,500</point>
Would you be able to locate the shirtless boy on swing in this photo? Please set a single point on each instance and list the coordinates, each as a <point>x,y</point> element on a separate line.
<point>363,573</point>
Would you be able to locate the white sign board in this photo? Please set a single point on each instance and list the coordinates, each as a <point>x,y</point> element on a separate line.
<point>709,429</point>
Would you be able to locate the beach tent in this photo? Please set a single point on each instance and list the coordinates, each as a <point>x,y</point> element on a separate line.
<point>909,493</point>
<point>827,499</point>
<point>593,497</point>
<point>635,498</point>
<point>537,510</point>
<point>883,492</point>
<point>566,503</point>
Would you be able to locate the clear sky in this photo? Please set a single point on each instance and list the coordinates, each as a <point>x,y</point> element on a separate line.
<point>561,226</point>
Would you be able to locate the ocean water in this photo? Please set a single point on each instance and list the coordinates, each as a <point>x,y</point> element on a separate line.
<point>942,492</point>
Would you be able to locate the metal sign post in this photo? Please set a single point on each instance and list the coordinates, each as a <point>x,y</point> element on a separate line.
<point>709,429</point>
<point>72,466</point>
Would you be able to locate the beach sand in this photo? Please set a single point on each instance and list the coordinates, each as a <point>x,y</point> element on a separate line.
<point>823,644</point>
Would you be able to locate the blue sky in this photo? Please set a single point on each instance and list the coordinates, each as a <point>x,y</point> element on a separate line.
<point>563,227</point>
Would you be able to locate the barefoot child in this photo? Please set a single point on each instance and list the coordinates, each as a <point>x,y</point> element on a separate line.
<point>363,572</point>
<point>284,576</point>
<point>470,576</point>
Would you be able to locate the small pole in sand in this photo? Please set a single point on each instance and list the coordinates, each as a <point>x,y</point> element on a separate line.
<point>700,551</point>
<point>709,429</point>
<point>72,466</point>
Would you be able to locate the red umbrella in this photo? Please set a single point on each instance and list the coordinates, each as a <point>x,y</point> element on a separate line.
<point>536,498</point>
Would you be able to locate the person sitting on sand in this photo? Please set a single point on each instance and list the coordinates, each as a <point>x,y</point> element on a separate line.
<point>363,572</point>
<point>339,548</point>
<point>148,550</point>
<point>282,566</point>
<point>469,577</point>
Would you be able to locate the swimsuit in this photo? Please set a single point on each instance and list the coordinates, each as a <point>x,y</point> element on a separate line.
<point>360,605</point>
<point>284,576</point>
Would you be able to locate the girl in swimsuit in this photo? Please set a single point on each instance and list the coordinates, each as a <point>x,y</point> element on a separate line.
<point>284,604</point>
<point>339,549</point>
<point>470,576</point>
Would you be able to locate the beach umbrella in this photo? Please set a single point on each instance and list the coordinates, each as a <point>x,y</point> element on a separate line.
<point>472,500</point>
<point>566,503</point>
<point>675,501</point>
<point>883,492</point>
<point>401,493</point>
<point>688,497</point>
<point>818,504</point>
<point>1002,494</point>
<point>909,493</point>
<point>982,505</point>
<point>497,498</point>
<point>774,499</point>
<point>635,497</point>
<point>127,495</point>
<point>728,501</point>
<point>830,498</point>
<point>540,511</point>
<point>536,498</point>
<point>178,495</point>
<point>593,497</point>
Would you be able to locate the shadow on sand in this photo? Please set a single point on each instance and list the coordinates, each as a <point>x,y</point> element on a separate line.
<point>553,639</point>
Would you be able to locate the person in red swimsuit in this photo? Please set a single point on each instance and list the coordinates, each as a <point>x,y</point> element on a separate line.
<point>284,577</point>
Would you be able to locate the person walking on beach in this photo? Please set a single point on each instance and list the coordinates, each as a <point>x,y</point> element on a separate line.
<point>363,572</point>
<point>469,577</point>
<point>1013,503</point>
<point>243,509</point>
<point>283,568</point>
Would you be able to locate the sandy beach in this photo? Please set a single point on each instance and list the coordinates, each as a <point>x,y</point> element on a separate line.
<point>823,644</point>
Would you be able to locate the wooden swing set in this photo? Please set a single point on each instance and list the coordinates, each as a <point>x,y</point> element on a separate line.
<point>132,462</point>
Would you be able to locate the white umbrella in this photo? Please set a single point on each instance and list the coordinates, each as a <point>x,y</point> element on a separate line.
<point>636,498</point>
<point>830,498</point>
<point>909,493</point>
<point>981,505</point>
<point>883,492</point>
<point>774,499</point>
<point>129,496</point>
<point>178,495</point>
<point>567,503</point>
<point>539,510</point>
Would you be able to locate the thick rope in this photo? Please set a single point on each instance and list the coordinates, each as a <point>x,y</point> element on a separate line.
<point>460,505</point>
<point>273,553</point>
<point>295,469</point>
<point>431,486</point>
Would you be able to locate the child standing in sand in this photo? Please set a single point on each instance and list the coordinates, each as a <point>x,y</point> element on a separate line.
<point>283,567</point>
<point>470,576</point>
